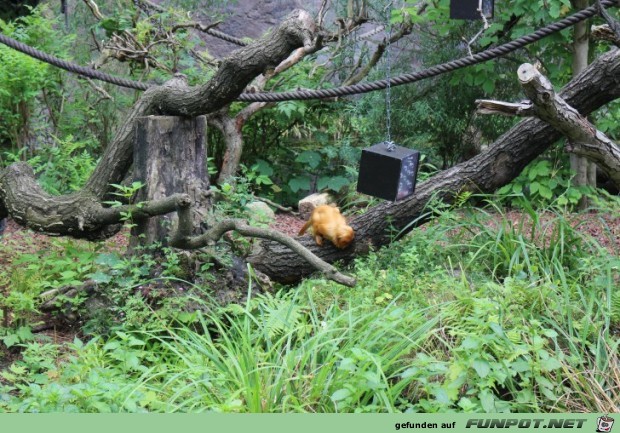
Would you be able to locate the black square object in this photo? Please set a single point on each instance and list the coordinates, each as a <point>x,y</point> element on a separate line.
<point>388,175</point>
<point>468,9</point>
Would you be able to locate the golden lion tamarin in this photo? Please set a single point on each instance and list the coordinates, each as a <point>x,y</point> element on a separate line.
<point>327,222</point>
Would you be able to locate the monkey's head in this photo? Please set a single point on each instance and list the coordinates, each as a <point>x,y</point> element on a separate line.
<point>344,236</point>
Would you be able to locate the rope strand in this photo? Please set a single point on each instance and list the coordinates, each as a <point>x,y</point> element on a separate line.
<point>434,71</point>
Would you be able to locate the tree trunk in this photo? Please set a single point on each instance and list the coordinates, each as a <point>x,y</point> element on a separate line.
<point>231,129</point>
<point>498,165</point>
<point>581,42</point>
<point>169,158</point>
<point>82,214</point>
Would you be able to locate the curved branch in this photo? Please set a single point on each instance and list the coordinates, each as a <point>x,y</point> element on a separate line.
<point>77,214</point>
<point>182,240</point>
<point>80,215</point>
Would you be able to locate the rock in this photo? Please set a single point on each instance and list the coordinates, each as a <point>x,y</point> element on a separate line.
<point>249,19</point>
<point>259,211</point>
<point>307,204</point>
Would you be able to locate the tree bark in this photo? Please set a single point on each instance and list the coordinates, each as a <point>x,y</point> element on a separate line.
<point>502,162</point>
<point>169,158</point>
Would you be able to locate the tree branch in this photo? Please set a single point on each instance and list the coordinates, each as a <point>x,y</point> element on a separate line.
<point>182,239</point>
<point>614,25</point>
<point>484,173</point>
<point>489,106</point>
<point>582,135</point>
<point>605,33</point>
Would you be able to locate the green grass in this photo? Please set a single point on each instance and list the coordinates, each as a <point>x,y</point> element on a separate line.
<point>476,312</point>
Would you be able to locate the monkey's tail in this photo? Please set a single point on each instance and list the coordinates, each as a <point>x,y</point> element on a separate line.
<point>305,227</point>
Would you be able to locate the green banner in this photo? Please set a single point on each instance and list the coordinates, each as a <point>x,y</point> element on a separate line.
<point>315,423</point>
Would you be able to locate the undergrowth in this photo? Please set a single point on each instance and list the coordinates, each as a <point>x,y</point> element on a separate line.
<point>477,311</point>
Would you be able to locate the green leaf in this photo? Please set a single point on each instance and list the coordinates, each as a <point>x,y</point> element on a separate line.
<point>550,364</point>
<point>24,333</point>
<point>335,183</point>
<point>487,399</point>
<point>482,367</point>
<point>554,10</point>
<point>347,364</point>
<point>310,157</point>
<point>100,277</point>
<point>545,192</point>
<point>470,343</point>
<point>299,183</point>
<point>108,259</point>
<point>520,366</point>
<point>112,345</point>
<point>67,275</point>
<point>489,87</point>
<point>10,340</point>
<point>340,395</point>
<point>517,188</point>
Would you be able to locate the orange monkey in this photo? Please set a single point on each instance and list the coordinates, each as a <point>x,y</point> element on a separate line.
<point>327,222</point>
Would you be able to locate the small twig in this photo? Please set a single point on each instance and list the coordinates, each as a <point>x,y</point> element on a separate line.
<point>321,14</point>
<point>98,89</point>
<point>276,205</point>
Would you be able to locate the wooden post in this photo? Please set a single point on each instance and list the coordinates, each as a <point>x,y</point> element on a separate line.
<point>170,157</point>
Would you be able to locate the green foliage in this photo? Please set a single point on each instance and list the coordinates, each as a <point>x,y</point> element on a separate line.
<point>477,312</point>
<point>544,182</point>
<point>24,79</point>
<point>62,167</point>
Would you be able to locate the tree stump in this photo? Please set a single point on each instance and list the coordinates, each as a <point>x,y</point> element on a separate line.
<point>170,157</point>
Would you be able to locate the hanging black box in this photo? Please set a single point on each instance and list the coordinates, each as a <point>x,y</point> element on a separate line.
<point>386,174</point>
<point>468,9</point>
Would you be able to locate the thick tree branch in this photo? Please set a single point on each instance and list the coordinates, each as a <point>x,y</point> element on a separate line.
<point>182,239</point>
<point>77,214</point>
<point>80,215</point>
<point>581,134</point>
<point>583,137</point>
<point>502,162</point>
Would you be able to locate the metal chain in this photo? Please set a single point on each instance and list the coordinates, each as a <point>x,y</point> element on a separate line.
<point>400,80</point>
<point>389,144</point>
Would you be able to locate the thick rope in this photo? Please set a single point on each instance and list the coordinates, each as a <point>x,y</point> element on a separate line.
<point>71,67</point>
<point>226,37</point>
<point>400,80</point>
<point>434,71</point>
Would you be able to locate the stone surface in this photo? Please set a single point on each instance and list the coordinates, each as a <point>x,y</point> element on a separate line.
<point>307,204</point>
<point>250,19</point>
<point>260,211</point>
